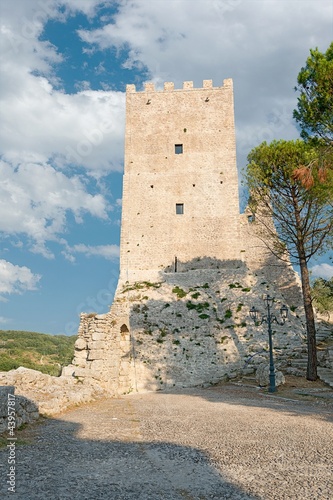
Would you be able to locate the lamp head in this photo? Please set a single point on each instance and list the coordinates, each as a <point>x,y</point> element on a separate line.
<point>269,300</point>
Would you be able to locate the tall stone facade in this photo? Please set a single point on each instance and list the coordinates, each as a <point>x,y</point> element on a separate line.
<point>191,266</point>
<point>180,190</point>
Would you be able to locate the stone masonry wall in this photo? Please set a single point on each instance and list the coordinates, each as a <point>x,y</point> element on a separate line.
<point>26,411</point>
<point>203,178</point>
<point>185,329</point>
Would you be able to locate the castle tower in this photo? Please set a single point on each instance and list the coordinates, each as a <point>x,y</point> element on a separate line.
<point>180,199</point>
<point>180,191</point>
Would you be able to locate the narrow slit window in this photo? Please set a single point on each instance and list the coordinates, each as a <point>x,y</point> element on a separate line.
<point>178,149</point>
<point>179,208</point>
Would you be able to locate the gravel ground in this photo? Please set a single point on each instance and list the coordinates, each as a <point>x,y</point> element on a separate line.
<point>226,442</point>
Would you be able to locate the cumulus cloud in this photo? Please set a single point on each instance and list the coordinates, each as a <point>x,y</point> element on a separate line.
<point>35,199</point>
<point>84,129</point>
<point>47,135</point>
<point>322,271</point>
<point>249,41</point>
<point>108,252</point>
<point>16,279</point>
<point>55,144</point>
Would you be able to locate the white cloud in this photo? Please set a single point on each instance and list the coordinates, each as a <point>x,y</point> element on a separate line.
<point>16,279</point>
<point>109,252</point>
<point>85,129</point>
<point>35,199</point>
<point>260,44</point>
<point>47,135</point>
<point>322,271</point>
<point>38,119</point>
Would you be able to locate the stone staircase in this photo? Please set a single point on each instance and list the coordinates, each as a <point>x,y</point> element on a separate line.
<point>297,364</point>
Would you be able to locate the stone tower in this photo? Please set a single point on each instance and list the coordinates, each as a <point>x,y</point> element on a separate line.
<point>191,266</point>
<point>180,191</point>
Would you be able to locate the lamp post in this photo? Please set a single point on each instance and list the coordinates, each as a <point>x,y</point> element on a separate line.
<point>269,318</point>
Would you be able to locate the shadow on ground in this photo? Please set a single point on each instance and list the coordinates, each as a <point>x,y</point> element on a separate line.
<point>316,401</point>
<point>61,465</point>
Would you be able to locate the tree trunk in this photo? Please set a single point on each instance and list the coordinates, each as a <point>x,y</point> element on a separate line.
<point>311,373</point>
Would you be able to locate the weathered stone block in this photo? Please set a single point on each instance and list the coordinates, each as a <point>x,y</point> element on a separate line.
<point>96,345</point>
<point>96,354</point>
<point>98,336</point>
<point>80,344</point>
<point>262,376</point>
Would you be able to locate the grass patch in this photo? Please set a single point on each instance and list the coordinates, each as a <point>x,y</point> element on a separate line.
<point>228,314</point>
<point>179,292</point>
<point>200,307</point>
<point>140,285</point>
<point>235,285</point>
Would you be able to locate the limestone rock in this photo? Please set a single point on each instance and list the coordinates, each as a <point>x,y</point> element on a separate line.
<point>80,344</point>
<point>262,376</point>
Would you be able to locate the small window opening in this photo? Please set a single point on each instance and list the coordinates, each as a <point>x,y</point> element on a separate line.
<point>124,329</point>
<point>250,219</point>
<point>178,149</point>
<point>179,208</point>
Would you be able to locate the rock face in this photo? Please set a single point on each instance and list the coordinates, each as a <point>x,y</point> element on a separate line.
<point>262,376</point>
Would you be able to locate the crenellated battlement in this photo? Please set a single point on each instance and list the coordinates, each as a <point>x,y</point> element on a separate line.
<point>188,85</point>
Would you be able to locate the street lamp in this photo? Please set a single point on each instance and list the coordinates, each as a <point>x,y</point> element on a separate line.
<point>269,318</point>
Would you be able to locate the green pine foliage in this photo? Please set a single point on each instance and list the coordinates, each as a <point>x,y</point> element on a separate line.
<point>322,293</point>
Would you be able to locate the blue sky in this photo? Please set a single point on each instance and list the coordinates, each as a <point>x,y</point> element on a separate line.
<point>64,68</point>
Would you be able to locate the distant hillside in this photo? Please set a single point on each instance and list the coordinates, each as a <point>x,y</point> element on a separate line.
<point>46,353</point>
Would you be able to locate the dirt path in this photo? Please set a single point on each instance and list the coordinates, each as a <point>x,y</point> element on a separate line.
<point>219,443</point>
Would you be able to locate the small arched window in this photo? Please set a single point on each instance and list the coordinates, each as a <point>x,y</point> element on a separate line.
<point>124,329</point>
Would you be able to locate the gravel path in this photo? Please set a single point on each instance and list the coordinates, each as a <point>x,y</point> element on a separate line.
<point>220,443</point>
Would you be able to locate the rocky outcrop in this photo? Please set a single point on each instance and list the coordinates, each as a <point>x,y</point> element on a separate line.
<point>262,376</point>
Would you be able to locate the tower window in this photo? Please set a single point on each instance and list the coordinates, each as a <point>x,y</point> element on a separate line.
<point>179,208</point>
<point>178,149</point>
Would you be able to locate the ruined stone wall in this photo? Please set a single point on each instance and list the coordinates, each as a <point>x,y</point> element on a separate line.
<point>202,178</point>
<point>188,328</point>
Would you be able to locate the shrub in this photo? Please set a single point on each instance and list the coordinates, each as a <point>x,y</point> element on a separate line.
<point>179,292</point>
